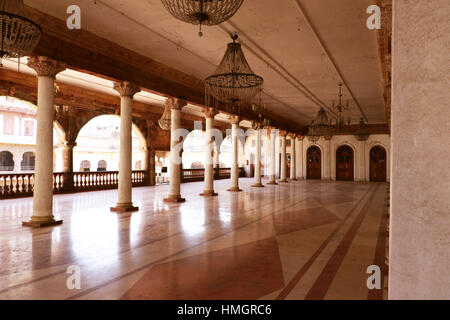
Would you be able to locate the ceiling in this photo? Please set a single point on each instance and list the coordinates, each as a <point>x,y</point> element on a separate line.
<point>302,48</point>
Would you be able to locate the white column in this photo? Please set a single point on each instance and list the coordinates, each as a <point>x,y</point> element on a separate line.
<point>235,165</point>
<point>273,139</point>
<point>257,182</point>
<point>46,69</point>
<point>283,173</point>
<point>327,171</point>
<point>299,165</point>
<point>175,151</point>
<point>209,113</point>
<point>126,90</point>
<point>293,157</point>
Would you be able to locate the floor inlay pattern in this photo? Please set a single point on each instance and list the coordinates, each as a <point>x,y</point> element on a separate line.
<point>299,240</point>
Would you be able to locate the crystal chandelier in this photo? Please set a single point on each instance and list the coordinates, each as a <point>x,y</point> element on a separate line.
<point>234,81</point>
<point>164,122</point>
<point>340,107</point>
<point>202,12</point>
<point>19,36</point>
<point>319,126</point>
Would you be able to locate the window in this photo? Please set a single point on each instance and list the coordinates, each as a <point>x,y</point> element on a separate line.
<point>138,165</point>
<point>28,126</point>
<point>8,124</point>
<point>85,166</point>
<point>102,165</point>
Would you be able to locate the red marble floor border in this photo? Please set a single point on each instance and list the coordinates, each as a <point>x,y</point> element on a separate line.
<point>299,275</point>
<point>175,254</point>
<point>380,253</point>
<point>323,282</point>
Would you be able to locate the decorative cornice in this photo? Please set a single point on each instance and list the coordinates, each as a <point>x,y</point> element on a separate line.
<point>46,67</point>
<point>126,89</point>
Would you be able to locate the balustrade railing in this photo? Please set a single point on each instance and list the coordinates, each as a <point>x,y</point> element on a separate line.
<point>191,175</point>
<point>14,185</point>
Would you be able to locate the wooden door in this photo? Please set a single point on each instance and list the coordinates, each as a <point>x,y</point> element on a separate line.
<point>313,159</point>
<point>344,163</point>
<point>378,164</point>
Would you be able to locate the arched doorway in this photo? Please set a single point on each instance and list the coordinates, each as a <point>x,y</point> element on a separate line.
<point>378,164</point>
<point>6,161</point>
<point>344,163</point>
<point>313,162</point>
<point>28,162</point>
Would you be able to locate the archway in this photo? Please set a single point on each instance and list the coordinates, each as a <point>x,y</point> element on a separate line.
<point>28,161</point>
<point>99,143</point>
<point>6,161</point>
<point>344,163</point>
<point>194,150</point>
<point>378,170</point>
<point>314,163</point>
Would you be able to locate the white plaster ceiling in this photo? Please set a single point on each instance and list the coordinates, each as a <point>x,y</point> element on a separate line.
<point>302,48</point>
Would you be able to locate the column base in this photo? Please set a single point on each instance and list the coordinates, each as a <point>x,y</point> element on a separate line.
<point>234,189</point>
<point>40,223</point>
<point>283,180</point>
<point>174,199</point>
<point>258,185</point>
<point>124,207</point>
<point>293,179</point>
<point>208,193</point>
<point>272,183</point>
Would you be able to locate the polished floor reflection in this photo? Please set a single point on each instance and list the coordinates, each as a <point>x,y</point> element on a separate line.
<point>300,240</point>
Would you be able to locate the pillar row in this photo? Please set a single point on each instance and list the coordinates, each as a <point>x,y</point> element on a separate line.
<point>272,136</point>
<point>258,181</point>
<point>293,158</point>
<point>46,70</point>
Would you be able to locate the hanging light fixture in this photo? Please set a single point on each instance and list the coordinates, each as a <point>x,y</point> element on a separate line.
<point>19,35</point>
<point>340,107</point>
<point>202,12</point>
<point>234,81</point>
<point>319,126</point>
<point>164,122</point>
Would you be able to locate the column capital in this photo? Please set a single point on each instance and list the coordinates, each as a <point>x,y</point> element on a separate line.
<point>270,130</point>
<point>175,103</point>
<point>46,67</point>
<point>300,138</point>
<point>68,144</point>
<point>328,138</point>
<point>235,119</point>
<point>210,112</point>
<point>126,89</point>
<point>283,133</point>
<point>292,136</point>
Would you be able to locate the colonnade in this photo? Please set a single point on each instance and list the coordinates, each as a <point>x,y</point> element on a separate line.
<point>47,69</point>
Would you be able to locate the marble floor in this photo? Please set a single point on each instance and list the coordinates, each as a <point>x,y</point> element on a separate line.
<point>297,240</point>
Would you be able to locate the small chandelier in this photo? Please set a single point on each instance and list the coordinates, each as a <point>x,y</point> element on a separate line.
<point>340,107</point>
<point>234,81</point>
<point>202,12</point>
<point>319,126</point>
<point>164,122</point>
<point>19,36</point>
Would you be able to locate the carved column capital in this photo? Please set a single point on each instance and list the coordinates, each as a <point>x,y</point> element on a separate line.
<point>328,137</point>
<point>46,67</point>
<point>126,89</point>
<point>300,138</point>
<point>175,103</point>
<point>210,112</point>
<point>283,133</point>
<point>235,119</point>
<point>292,136</point>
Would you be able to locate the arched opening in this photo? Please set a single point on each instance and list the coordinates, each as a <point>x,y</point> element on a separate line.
<point>138,165</point>
<point>18,131</point>
<point>28,161</point>
<point>85,166</point>
<point>226,152</point>
<point>344,163</point>
<point>314,163</point>
<point>99,141</point>
<point>194,150</point>
<point>378,167</point>
<point>102,165</point>
<point>6,161</point>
